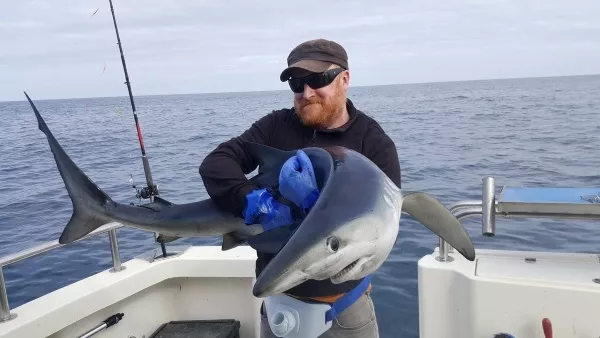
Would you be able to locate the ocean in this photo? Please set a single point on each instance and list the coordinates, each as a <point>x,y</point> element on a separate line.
<point>449,136</point>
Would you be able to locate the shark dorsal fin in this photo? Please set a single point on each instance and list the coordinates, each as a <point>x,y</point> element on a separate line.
<point>158,204</point>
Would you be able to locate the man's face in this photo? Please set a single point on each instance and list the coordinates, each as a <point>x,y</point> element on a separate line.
<point>319,108</point>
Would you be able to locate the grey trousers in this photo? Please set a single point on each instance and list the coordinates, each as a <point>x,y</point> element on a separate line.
<point>357,321</point>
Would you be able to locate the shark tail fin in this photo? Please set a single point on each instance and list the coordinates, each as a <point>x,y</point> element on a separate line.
<point>87,198</point>
<point>81,224</point>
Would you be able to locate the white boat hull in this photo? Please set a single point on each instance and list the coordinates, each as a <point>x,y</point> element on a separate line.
<point>501,291</point>
<point>202,283</point>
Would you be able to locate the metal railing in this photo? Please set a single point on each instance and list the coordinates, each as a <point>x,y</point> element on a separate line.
<point>490,208</point>
<point>468,208</point>
<point>461,210</point>
<point>111,228</point>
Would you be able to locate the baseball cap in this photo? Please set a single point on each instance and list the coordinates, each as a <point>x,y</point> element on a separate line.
<point>315,56</point>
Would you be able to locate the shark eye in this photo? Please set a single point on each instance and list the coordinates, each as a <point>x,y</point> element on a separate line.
<point>333,244</point>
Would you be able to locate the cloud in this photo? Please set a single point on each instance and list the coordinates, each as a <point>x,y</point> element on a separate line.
<point>59,50</point>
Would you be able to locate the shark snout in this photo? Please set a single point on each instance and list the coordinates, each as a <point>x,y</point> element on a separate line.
<point>291,279</point>
<point>351,262</point>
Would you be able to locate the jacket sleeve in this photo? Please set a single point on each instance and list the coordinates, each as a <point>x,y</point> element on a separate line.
<point>381,149</point>
<point>224,170</point>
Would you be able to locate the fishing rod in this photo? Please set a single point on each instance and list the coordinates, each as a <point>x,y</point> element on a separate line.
<point>151,190</point>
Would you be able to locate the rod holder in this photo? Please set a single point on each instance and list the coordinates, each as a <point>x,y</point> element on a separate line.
<point>114,250</point>
<point>488,219</point>
<point>444,251</point>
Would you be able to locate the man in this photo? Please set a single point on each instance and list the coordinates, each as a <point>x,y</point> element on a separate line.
<point>318,75</point>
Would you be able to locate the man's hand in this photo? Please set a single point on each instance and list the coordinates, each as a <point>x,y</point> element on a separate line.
<point>261,207</point>
<point>297,181</point>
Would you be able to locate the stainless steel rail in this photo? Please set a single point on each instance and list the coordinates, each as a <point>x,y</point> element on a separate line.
<point>532,204</point>
<point>111,228</point>
<point>460,210</point>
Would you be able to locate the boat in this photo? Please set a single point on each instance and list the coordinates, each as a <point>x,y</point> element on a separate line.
<point>200,289</point>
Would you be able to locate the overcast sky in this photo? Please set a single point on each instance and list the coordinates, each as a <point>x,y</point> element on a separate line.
<point>59,49</point>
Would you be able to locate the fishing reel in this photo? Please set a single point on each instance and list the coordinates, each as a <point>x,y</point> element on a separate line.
<point>145,192</point>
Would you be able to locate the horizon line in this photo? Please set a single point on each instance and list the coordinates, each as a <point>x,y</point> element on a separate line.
<point>279,90</point>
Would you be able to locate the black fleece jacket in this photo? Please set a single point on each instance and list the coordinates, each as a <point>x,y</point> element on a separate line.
<point>224,170</point>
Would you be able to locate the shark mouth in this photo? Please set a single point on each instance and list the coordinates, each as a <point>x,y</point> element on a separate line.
<point>345,271</point>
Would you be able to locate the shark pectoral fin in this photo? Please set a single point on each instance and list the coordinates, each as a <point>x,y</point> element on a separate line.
<point>161,238</point>
<point>232,240</point>
<point>428,211</point>
<point>270,160</point>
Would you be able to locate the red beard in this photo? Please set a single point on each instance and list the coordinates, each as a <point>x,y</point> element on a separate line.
<point>318,113</point>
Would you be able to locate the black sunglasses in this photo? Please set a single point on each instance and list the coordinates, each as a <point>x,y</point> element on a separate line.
<point>314,81</point>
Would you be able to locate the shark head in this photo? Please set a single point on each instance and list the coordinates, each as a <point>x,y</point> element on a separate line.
<point>354,250</point>
<point>349,232</point>
<point>354,224</point>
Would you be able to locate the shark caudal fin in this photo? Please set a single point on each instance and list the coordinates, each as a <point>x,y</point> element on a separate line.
<point>87,198</point>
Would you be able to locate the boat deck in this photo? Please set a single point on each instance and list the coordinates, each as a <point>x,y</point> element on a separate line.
<point>227,328</point>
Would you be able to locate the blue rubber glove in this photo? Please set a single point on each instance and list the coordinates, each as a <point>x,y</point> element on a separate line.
<point>297,181</point>
<point>262,208</point>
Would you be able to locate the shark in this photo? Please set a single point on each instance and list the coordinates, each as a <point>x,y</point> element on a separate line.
<point>347,235</point>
